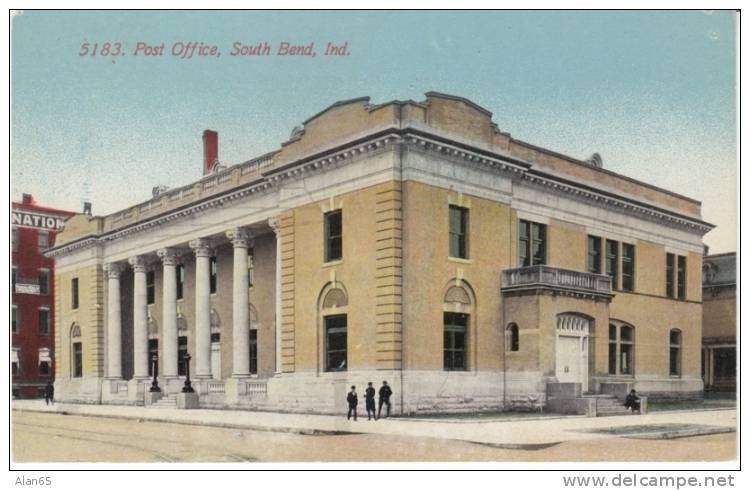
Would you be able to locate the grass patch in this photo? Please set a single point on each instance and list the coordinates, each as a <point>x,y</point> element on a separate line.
<point>660,406</point>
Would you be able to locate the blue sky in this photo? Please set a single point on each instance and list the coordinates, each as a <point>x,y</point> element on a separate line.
<point>652,92</point>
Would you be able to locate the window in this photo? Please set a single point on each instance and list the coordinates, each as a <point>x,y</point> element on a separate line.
<point>333,234</point>
<point>532,247</point>
<point>611,262</point>
<point>74,293</point>
<point>43,240</point>
<point>621,348</point>
<point>77,360</point>
<point>626,349</point>
<point>181,352</point>
<point>335,343</point>
<point>458,232</point>
<point>670,275</point>
<point>44,368</point>
<point>215,337</point>
<point>44,321</point>
<point>14,368</point>
<point>180,273</point>
<point>511,338</point>
<point>454,341</point>
<point>15,320</point>
<point>153,350</point>
<point>214,272</point>
<point>681,275</point>
<point>595,255</point>
<point>14,279</point>
<point>628,267</point>
<point>253,352</point>
<point>612,349</point>
<point>150,288</point>
<point>43,281</point>
<point>675,341</point>
<point>15,238</point>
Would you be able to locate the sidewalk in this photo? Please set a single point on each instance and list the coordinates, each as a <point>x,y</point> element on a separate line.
<point>510,433</point>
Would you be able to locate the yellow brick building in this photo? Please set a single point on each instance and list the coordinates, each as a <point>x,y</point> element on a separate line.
<point>412,242</point>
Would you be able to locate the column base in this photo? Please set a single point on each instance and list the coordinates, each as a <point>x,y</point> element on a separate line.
<point>151,397</point>
<point>187,400</point>
<point>136,387</point>
<point>235,388</point>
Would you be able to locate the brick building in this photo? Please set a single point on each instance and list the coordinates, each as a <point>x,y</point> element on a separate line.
<point>34,228</point>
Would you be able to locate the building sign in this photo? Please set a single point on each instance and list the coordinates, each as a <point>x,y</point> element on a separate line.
<point>36,220</point>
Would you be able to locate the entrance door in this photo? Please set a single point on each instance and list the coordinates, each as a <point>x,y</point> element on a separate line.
<point>572,350</point>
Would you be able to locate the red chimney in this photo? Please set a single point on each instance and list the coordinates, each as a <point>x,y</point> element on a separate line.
<point>210,150</point>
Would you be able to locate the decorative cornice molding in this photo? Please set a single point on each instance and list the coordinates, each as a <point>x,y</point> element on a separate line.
<point>380,142</point>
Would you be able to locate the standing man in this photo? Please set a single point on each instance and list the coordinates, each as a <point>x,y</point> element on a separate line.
<point>49,393</point>
<point>370,401</point>
<point>384,396</point>
<point>351,399</point>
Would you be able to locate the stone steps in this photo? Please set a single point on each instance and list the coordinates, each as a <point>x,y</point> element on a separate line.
<point>169,401</point>
<point>609,405</point>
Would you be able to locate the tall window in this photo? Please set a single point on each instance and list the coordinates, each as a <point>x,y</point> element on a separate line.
<point>77,359</point>
<point>150,288</point>
<point>532,246</point>
<point>612,349</point>
<point>611,249</point>
<point>44,281</point>
<point>43,240</point>
<point>180,273</point>
<point>15,234</point>
<point>454,341</point>
<point>45,362</point>
<point>44,321</point>
<point>628,267</point>
<point>621,348</point>
<point>253,351</point>
<point>15,320</point>
<point>675,347</point>
<point>670,275</point>
<point>594,254</point>
<point>181,352</point>
<point>74,293</point>
<point>626,349</point>
<point>13,279</point>
<point>153,350</point>
<point>681,276</point>
<point>458,232</point>
<point>511,338</point>
<point>214,272</point>
<point>44,369</point>
<point>336,343</point>
<point>333,235</point>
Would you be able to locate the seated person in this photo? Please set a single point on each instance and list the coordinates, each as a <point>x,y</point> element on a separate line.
<point>633,402</point>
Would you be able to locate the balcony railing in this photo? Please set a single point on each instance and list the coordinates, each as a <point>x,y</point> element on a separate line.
<point>554,278</point>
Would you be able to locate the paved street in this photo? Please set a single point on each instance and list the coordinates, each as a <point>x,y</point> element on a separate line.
<point>55,437</point>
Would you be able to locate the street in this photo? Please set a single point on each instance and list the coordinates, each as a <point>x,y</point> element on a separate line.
<point>54,437</point>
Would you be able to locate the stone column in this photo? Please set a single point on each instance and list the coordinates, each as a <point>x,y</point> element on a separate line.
<point>114,321</point>
<point>140,318</point>
<point>274,223</point>
<point>168,361</point>
<point>240,335</point>
<point>202,249</point>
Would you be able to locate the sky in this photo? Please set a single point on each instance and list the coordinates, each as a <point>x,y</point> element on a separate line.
<point>653,92</point>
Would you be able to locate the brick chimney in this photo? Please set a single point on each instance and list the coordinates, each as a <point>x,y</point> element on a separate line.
<point>210,150</point>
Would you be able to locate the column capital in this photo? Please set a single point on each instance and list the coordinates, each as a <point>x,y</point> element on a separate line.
<point>275,224</point>
<point>201,247</point>
<point>168,256</point>
<point>113,269</point>
<point>139,263</point>
<point>240,237</point>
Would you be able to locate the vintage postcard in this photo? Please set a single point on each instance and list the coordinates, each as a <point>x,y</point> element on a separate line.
<point>374,237</point>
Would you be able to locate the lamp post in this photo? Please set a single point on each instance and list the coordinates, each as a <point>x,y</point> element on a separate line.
<point>154,384</point>
<point>187,388</point>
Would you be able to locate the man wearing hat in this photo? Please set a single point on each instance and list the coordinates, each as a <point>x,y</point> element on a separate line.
<point>351,399</point>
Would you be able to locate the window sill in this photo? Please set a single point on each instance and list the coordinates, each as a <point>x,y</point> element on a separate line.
<point>333,263</point>
<point>459,260</point>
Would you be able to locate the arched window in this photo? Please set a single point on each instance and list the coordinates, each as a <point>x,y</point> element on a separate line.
<point>511,338</point>
<point>621,348</point>
<point>332,307</point>
<point>675,352</point>
<point>457,309</point>
<point>76,351</point>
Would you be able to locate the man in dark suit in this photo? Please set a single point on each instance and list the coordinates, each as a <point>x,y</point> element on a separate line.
<point>384,396</point>
<point>49,393</point>
<point>351,399</point>
<point>370,401</point>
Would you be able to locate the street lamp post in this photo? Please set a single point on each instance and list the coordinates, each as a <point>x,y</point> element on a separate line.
<point>187,388</point>
<point>154,384</point>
